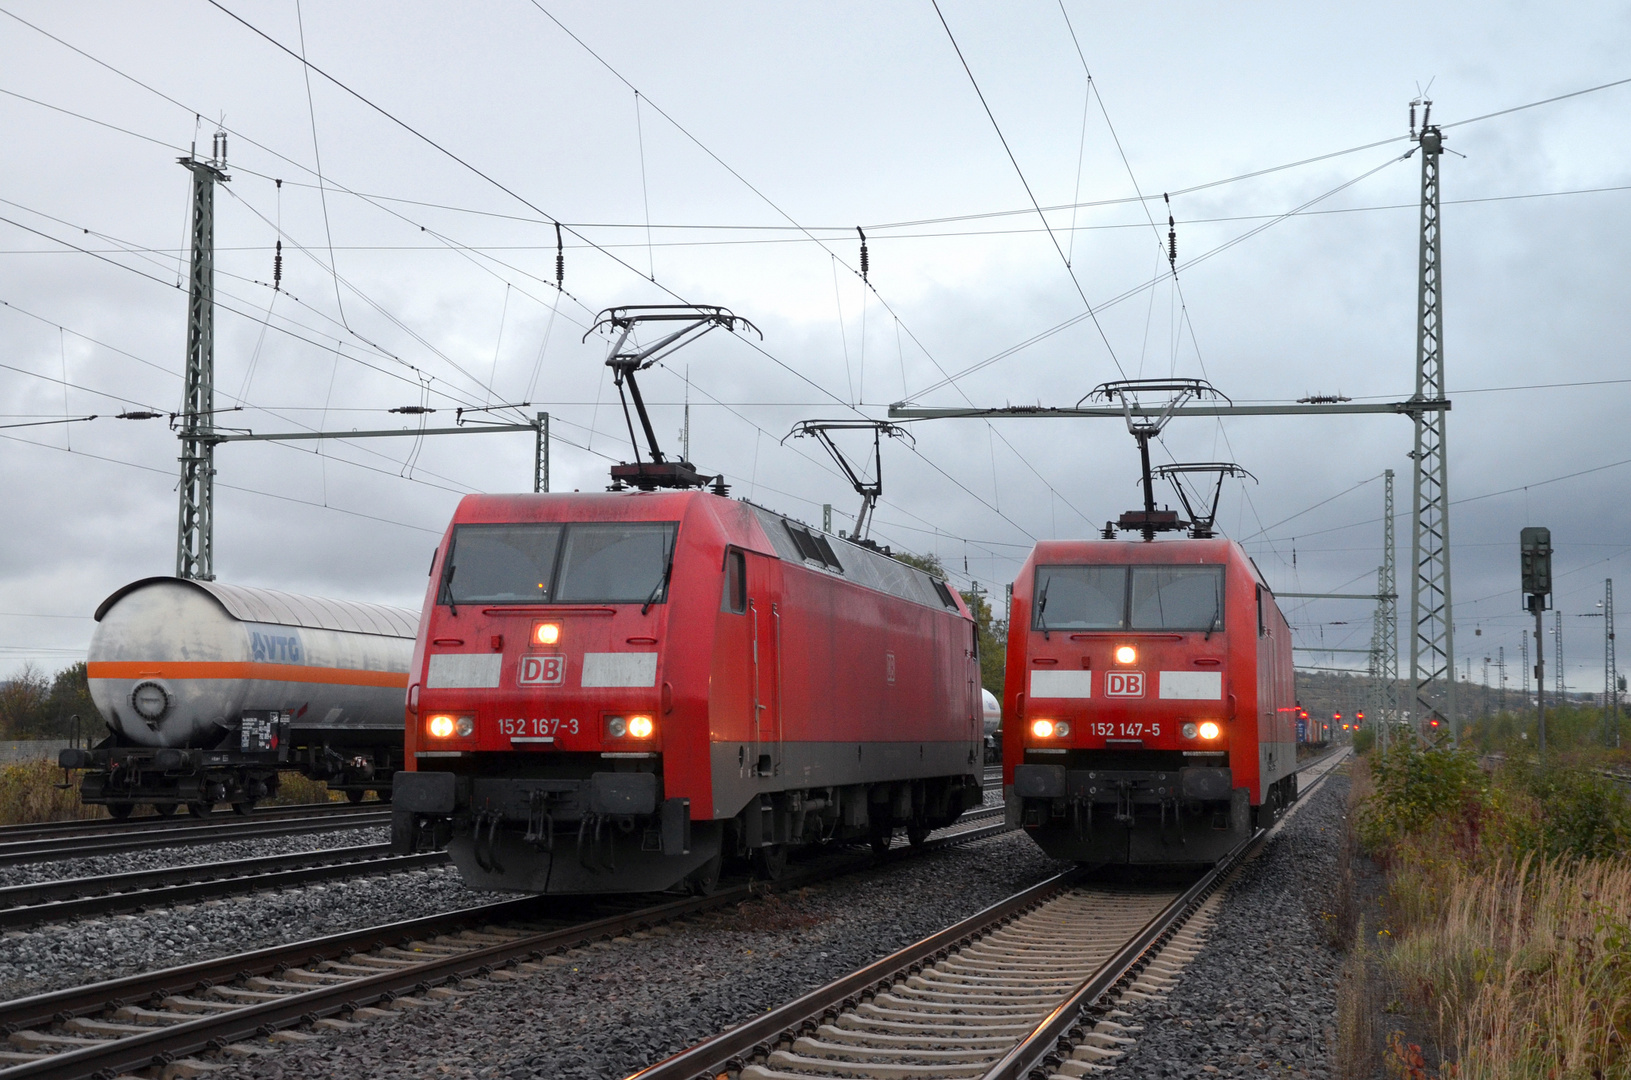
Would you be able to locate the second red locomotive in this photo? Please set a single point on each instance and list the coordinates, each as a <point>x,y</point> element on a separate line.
<point>1150,701</point>
<point>613,692</point>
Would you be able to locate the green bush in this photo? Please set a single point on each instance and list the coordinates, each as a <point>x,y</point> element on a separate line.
<point>1562,810</point>
<point>1364,740</point>
<point>1418,790</point>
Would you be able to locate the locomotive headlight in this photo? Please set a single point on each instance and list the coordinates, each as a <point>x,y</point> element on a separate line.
<point>546,633</point>
<point>641,727</point>
<point>1126,654</point>
<point>1189,731</point>
<point>616,727</point>
<point>1061,729</point>
<point>1042,729</point>
<point>1210,729</point>
<point>465,725</point>
<point>440,726</point>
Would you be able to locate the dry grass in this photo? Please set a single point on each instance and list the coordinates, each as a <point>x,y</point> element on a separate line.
<point>1526,968</point>
<point>29,793</point>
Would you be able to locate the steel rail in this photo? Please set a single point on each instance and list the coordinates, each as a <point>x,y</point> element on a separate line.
<point>72,898</point>
<point>730,1051</point>
<point>147,823</point>
<point>212,832</point>
<point>165,1044</point>
<point>1049,1043</point>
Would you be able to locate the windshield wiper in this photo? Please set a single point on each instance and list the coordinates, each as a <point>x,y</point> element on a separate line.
<point>662,583</point>
<point>447,587</point>
<point>1042,610</point>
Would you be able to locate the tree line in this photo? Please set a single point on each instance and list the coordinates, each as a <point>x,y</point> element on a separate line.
<point>36,706</point>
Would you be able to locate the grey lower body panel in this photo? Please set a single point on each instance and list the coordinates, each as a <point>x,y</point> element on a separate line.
<point>744,770</point>
<point>1135,817</point>
<point>604,860</point>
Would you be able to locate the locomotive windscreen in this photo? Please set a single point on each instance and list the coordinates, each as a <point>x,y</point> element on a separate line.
<point>552,563</point>
<point>1128,598</point>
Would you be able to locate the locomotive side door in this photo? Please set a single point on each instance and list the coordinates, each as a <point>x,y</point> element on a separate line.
<point>764,643</point>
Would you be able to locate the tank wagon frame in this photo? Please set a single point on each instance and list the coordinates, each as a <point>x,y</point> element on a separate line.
<point>1150,701</point>
<point>211,692</point>
<point>616,692</point>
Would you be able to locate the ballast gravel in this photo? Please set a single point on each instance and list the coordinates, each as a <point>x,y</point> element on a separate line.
<point>155,858</point>
<point>75,953</point>
<point>612,1009</point>
<point>1260,998</point>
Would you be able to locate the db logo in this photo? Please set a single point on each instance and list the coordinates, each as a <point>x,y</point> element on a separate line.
<point>542,671</point>
<point>1124,684</point>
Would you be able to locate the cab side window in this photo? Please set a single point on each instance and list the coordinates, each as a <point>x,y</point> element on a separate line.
<point>736,583</point>
<point>1262,628</point>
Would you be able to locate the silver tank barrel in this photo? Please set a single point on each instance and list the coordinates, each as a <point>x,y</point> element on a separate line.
<point>177,663</point>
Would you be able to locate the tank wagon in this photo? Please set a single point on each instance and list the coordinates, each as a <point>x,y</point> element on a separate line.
<point>616,692</point>
<point>993,726</point>
<point>210,691</point>
<point>1150,701</point>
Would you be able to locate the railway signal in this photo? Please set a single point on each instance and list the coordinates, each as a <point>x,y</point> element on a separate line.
<point>1535,566</point>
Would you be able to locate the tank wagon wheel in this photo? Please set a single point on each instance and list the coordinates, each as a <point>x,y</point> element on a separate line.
<point>164,809</point>
<point>770,862</point>
<point>916,834</point>
<point>244,808</point>
<point>120,810</point>
<point>355,796</point>
<point>200,809</point>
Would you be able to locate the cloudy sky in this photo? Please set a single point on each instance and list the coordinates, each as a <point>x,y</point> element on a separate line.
<point>725,154</point>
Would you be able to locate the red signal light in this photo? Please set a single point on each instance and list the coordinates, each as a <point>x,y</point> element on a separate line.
<point>1336,716</point>
<point>1433,723</point>
<point>1360,715</point>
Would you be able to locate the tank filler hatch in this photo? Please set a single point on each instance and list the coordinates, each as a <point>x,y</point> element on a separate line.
<point>627,357</point>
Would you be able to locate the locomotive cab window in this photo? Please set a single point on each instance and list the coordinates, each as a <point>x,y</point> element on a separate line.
<point>500,564</point>
<point>1128,598</point>
<point>1080,598</point>
<point>552,563</point>
<point>615,563</point>
<point>736,583</point>
<point>1177,598</point>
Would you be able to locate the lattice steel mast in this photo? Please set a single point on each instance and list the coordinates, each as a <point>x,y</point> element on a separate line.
<point>195,529</point>
<point>1432,637</point>
<point>1387,614</point>
<point>1558,651</point>
<point>1611,674</point>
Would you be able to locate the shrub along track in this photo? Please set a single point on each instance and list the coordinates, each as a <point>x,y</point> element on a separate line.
<point>1023,985</point>
<point>156,1019</point>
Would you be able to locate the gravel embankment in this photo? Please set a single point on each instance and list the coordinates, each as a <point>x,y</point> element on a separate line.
<point>1260,998</point>
<point>75,953</point>
<point>619,1006</point>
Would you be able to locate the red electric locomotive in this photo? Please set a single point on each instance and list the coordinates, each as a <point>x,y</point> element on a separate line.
<point>1149,691</point>
<point>612,692</point>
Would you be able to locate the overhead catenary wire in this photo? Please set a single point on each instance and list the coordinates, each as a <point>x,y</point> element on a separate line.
<point>1088,304</point>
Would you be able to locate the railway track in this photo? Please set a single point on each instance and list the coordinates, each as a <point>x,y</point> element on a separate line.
<point>106,894</point>
<point>154,1019</point>
<point>993,997</point>
<point>69,840</point>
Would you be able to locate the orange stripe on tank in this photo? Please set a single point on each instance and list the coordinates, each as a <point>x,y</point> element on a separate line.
<point>221,669</point>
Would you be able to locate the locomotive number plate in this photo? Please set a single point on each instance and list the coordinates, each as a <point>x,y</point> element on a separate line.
<point>1124,730</point>
<point>537,725</point>
<point>1124,684</point>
